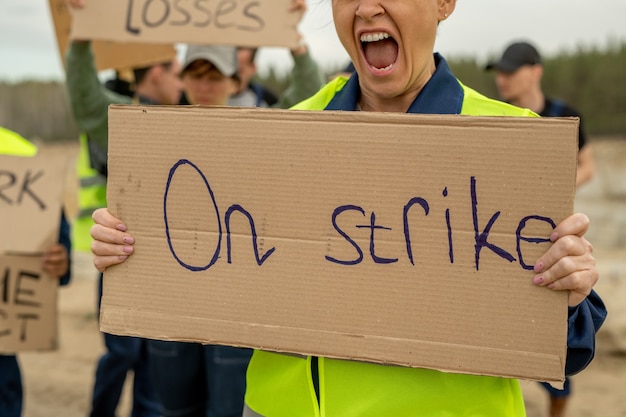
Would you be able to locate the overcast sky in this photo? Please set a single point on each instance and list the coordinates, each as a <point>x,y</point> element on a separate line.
<point>478,28</point>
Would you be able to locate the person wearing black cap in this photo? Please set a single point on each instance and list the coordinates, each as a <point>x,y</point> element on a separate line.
<point>518,79</point>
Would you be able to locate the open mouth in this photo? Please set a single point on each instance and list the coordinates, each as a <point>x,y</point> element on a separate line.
<point>380,50</point>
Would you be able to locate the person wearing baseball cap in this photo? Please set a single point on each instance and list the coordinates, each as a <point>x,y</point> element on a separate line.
<point>518,78</point>
<point>210,74</point>
<point>516,56</point>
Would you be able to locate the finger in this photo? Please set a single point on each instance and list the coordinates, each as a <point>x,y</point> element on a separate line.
<point>100,248</point>
<point>55,252</point>
<point>103,262</point>
<point>56,268</point>
<point>565,267</point>
<point>569,245</point>
<point>53,259</point>
<point>107,234</point>
<point>103,216</point>
<point>576,224</point>
<point>579,285</point>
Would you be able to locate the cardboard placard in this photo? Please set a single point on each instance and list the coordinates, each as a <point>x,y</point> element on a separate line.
<point>28,305</point>
<point>31,197</point>
<point>238,23</point>
<point>390,238</point>
<point>109,55</point>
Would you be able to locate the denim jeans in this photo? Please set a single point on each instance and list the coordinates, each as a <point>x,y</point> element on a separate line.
<point>10,387</point>
<point>123,354</point>
<point>194,380</point>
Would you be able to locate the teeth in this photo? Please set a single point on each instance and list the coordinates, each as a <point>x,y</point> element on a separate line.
<point>386,68</point>
<point>374,37</point>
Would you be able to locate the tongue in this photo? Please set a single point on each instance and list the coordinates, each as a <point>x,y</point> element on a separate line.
<point>381,54</point>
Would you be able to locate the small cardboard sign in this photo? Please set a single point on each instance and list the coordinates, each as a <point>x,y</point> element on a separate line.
<point>28,305</point>
<point>226,22</point>
<point>31,198</point>
<point>389,238</point>
<point>109,55</point>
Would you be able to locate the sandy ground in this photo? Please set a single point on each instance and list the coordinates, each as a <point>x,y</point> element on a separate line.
<point>59,383</point>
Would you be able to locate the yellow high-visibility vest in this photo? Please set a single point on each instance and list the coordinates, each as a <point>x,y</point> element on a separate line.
<point>280,385</point>
<point>12,143</point>
<point>91,196</point>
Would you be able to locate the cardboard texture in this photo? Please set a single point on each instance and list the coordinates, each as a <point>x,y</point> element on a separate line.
<point>238,23</point>
<point>28,305</point>
<point>109,55</point>
<point>390,238</point>
<point>31,195</point>
<point>32,191</point>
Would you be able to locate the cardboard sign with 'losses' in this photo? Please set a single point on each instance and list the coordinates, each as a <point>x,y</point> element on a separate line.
<point>225,22</point>
<point>109,55</point>
<point>390,238</point>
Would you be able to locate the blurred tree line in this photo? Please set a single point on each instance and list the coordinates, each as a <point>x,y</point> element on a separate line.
<point>590,79</point>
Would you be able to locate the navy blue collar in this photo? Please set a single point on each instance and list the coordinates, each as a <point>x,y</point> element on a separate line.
<point>442,94</point>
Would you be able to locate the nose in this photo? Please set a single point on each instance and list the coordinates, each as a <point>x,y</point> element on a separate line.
<point>368,9</point>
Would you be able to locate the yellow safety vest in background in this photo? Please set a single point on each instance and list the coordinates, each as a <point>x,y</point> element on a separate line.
<point>12,143</point>
<point>91,196</point>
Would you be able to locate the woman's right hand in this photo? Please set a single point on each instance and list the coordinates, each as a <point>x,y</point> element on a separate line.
<point>111,243</point>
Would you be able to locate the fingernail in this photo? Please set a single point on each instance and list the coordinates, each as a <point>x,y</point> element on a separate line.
<point>128,249</point>
<point>538,267</point>
<point>128,240</point>
<point>554,236</point>
<point>123,257</point>
<point>551,286</point>
<point>538,280</point>
<point>121,227</point>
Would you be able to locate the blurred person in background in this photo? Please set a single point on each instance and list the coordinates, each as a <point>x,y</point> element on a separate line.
<point>306,79</point>
<point>56,262</point>
<point>518,78</point>
<point>89,100</point>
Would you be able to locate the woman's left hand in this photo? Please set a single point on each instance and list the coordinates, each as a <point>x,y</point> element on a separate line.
<point>569,264</point>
